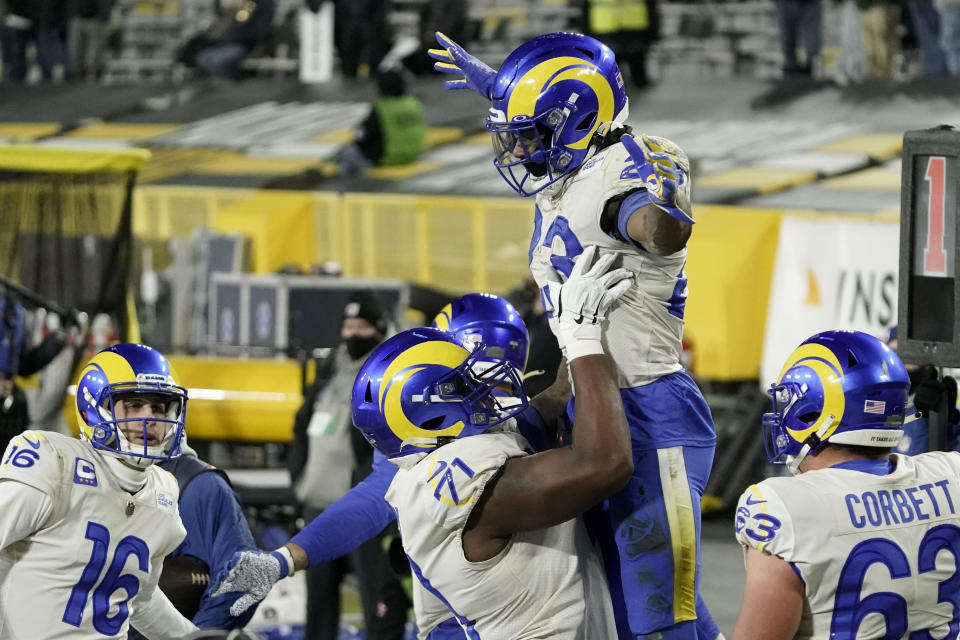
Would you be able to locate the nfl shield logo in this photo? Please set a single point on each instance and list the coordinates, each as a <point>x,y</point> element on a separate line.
<point>129,509</point>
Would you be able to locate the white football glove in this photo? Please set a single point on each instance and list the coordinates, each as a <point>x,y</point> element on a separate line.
<point>254,573</point>
<point>583,300</point>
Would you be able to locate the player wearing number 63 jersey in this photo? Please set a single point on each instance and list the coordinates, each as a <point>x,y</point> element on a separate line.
<point>87,522</point>
<point>861,543</point>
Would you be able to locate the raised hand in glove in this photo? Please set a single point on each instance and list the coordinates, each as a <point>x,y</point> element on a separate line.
<point>659,172</point>
<point>581,303</point>
<point>453,59</point>
<point>253,573</point>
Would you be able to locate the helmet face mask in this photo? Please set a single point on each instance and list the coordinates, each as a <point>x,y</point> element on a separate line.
<point>420,388</point>
<point>129,405</point>
<point>781,448</point>
<point>841,387</point>
<point>524,151</point>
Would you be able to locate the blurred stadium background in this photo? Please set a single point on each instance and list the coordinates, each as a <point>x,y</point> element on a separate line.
<point>206,217</point>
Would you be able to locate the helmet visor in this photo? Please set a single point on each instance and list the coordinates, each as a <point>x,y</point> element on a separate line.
<point>522,154</point>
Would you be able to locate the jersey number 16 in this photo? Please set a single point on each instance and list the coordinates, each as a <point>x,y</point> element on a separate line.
<point>112,580</point>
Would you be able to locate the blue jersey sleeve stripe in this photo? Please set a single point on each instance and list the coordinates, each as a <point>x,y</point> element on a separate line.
<point>634,201</point>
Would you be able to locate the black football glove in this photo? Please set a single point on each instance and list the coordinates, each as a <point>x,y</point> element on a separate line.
<point>953,414</point>
<point>927,391</point>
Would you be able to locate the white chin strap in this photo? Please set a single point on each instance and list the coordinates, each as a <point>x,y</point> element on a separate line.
<point>793,462</point>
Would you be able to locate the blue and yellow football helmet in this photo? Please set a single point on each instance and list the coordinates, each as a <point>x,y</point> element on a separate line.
<point>548,100</point>
<point>844,387</point>
<point>121,371</point>
<point>418,389</point>
<point>483,318</point>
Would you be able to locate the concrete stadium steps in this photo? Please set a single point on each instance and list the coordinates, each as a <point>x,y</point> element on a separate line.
<point>825,149</point>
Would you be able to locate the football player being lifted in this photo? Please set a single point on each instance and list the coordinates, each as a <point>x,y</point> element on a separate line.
<point>557,113</point>
<point>87,522</point>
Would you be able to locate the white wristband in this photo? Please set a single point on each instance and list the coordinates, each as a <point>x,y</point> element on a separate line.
<point>576,348</point>
<point>285,552</point>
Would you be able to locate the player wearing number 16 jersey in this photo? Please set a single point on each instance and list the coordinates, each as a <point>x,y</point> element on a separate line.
<point>861,543</point>
<point>86,523</point>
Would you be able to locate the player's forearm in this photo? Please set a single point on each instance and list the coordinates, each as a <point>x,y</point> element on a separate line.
<point>552,401</point>
<point>601,436</point>
<point>350,521</point>
<point>657,231</point>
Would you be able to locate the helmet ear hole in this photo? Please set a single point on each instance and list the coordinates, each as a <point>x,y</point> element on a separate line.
<point>433,423</point>
<point>808,418</point>
<point>587,121</point>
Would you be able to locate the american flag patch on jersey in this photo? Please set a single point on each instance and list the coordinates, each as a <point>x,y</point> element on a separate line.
<point>874,406</point>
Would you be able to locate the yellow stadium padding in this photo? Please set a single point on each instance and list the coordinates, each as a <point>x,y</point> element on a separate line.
<point>53,160</point>
<point>478,138</point>
<point>879,146</point>
<point>233,399</point>
<point>337,136</point>
<point>122,130</point>
<point>762,179</point>
<point>402,171</point>
<point>729,266</point>
<point>239,164</point>
<point>165,163</point>
<point>157,7</point>
<point>28,131</point>
<point>437,136</point>
<point>872,179</point>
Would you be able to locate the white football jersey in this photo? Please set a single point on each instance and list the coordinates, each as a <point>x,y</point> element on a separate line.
<point>547,583</point>
<point>74,577</point>
<point>879,556</point>
<point>645,326</point>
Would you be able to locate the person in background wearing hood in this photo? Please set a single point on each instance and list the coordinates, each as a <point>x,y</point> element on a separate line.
<point>328,456</point>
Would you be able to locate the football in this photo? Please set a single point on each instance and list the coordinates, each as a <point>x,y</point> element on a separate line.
<point>183,580</point>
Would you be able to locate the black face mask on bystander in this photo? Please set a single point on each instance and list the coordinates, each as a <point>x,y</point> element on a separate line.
<point>359,346</point>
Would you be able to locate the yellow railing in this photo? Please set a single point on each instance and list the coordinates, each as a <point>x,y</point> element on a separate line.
<point>453,243</point>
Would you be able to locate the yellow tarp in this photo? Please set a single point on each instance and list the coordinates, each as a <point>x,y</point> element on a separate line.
<point>48,159</point>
